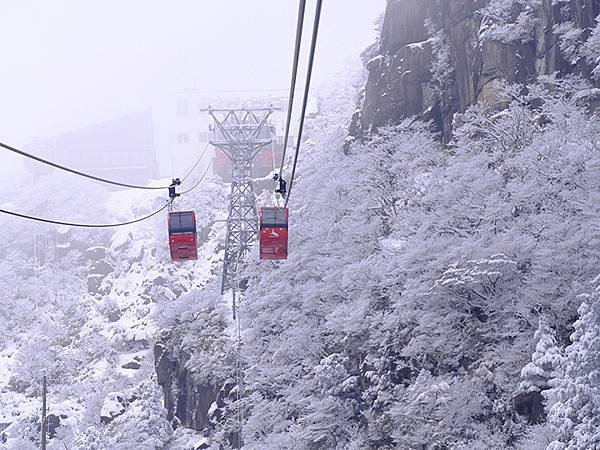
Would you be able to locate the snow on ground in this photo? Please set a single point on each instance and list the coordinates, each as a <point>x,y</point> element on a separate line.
<point>420,45</point>
<point>5,361</point>
<point>122,319</point>
<point>186,439</point>
<point>129,362</point>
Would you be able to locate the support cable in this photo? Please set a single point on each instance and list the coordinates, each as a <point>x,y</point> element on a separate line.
<point>311,59</point>
<point>239,369</point>
<point>299,27</point>
<point>197,182</point>
<point>185,177</point>
<point>111,225</point>
<point>93,177</point>
<point>76,172</point>
<point>86,225</point>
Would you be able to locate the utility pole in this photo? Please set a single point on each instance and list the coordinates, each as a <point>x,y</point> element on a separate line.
<point>44,393</point>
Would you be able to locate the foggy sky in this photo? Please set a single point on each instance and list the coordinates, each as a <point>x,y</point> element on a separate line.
<point>69,63</point>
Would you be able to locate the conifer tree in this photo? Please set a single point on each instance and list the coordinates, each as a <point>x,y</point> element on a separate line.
<point>575,413</point>
<point>545,361</point>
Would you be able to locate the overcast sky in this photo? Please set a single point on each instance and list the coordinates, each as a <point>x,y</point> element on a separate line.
<point>68,63</point>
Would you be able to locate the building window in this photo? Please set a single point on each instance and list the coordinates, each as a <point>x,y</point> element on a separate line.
<point>182,107</point>
<point>183,138</point>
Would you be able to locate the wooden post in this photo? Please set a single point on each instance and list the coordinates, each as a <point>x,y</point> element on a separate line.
<point>44,413</point>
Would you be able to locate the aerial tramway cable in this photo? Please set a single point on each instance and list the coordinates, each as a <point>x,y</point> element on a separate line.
<point>111,225</point>
<point>311,59</point>
<point>197,182</point>
<point>93,177</point>
<point>299,27</point>
<point>185,177</point>
<point>77,172</point>
<point>86,225</point>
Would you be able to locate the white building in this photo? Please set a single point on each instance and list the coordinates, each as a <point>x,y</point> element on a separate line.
<point>181,124</point>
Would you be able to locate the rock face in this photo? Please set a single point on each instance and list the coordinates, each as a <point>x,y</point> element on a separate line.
<point>531,406</point>
<point>3,437</point>
<point>435,58</point>
<point>99,268</point>
<point>187,402</point>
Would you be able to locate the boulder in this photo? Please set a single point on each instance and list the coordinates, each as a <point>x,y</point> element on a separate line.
<point>114,405</point>
<point>134,365</point>
<point>95,253</point>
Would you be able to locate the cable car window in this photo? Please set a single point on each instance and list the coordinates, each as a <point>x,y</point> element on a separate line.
<point>182,223</point>
<point>187,222</point>
<point>274,217</point>
<point>175,224</point>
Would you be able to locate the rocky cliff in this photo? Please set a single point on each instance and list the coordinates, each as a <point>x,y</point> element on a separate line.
<point>436,57</point>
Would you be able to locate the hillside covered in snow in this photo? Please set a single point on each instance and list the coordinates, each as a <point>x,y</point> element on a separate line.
<point>84,309</point>
<point>442,289</point>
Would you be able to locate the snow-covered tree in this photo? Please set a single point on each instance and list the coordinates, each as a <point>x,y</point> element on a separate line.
<point>424,259</point>
<point>91,439</point>
<point>144,424</point>
<point>509,20</point>
<point>575,413</point>
<point>545,361</point>
<point>591,50</point>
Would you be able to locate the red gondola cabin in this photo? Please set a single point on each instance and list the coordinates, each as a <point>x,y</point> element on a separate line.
<point>182,236</point>
<point>273,233</point>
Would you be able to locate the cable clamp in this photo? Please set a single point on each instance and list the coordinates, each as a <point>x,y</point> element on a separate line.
<point>282,186</point>
<point>176,182</point>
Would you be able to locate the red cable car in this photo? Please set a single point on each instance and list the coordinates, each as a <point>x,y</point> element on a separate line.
<point>182,236</point>
<point>273,233</point>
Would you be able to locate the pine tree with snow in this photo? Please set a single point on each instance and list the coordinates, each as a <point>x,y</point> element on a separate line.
<point>575,414</point>
<point>509,20</point>
<point>91,440</point>
<point>144,424</point>
<point>545,361</point>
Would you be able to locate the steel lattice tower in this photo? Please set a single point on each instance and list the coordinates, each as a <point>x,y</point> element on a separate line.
<point>241,134</point>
